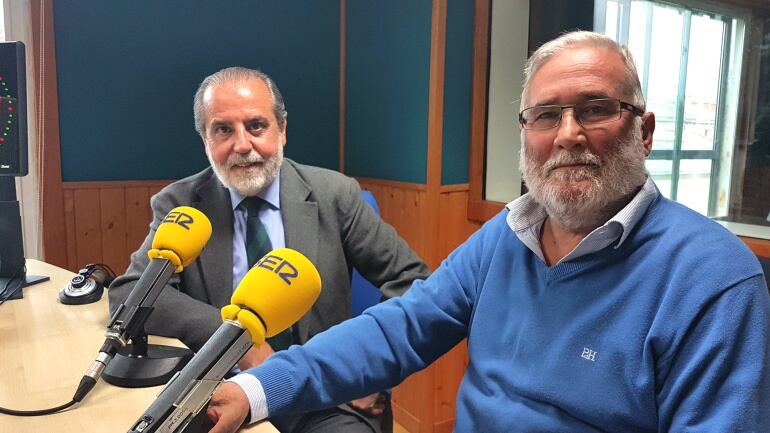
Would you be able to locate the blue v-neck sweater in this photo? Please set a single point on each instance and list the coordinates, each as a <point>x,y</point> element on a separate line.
<point>667,332</point>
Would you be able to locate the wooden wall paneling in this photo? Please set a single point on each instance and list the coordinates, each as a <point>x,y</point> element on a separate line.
<point>411,220</point>
<point>88,236</point>
<point>455,226</point>
<point>404,207</point>
<point>448,370</point>
<point>106,221</point>
<point>138,218</point>
<point>401,206</point>
<point>447,426</point>
<point>408,397</point>
<point>70,253</point>
<point>112,203</point>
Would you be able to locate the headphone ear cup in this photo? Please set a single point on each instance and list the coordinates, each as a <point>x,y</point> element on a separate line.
<point>81,290</point>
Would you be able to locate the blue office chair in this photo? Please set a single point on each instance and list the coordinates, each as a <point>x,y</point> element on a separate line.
<point>363,295</point>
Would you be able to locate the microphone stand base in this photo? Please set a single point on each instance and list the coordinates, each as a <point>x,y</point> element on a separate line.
<point>155,368</point>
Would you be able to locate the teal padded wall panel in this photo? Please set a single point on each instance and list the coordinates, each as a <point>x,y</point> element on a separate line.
<point>457,92</point>
<point>127,72</point>
<point>387,71</point>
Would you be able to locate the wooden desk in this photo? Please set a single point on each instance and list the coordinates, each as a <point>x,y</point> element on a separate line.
<point>46,347</point>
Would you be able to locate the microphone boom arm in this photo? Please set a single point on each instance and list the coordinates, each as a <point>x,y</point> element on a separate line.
<point>128,319</point>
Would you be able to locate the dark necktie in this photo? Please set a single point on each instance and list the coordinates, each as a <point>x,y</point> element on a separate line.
<point>257,245</point>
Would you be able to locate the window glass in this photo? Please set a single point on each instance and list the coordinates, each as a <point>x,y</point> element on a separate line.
<point>661,63</point>
<point>694,178</point>
<point>711,148</point>
<point>611,19</point>
<point>703,78</point>
<point>660,170</point>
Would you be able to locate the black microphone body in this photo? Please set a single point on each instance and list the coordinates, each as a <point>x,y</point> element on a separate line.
<point>180,405</point>
<point>128,320</point>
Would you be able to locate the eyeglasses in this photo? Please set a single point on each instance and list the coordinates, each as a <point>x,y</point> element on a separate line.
<point>588,113</point>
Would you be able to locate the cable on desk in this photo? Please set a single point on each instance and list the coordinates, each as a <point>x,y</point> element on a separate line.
<point>85,386</point>
<point>86,383</point>
<point>36,412</point>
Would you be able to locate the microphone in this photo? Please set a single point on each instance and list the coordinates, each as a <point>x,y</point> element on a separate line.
<point>178,241</point>
<point>278,290</point>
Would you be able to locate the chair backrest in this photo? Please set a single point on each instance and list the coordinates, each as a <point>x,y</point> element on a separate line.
<point>364,294</point>
<point>765,261</point>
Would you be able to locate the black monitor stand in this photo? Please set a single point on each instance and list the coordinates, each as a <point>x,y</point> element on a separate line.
<point>13,275</point>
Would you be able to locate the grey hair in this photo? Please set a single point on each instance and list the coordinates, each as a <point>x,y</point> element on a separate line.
<point>632,87</point>
<point>237,74</point>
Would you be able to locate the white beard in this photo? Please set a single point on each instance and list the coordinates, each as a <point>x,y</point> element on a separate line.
<point>252,181</point>
<point>611,179</point>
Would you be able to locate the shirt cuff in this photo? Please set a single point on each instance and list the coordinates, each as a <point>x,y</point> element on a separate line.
<point>255,393</point>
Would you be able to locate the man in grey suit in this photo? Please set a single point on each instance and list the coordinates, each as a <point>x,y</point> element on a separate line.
<point>240,115</point>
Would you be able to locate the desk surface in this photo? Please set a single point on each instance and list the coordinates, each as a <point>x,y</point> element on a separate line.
<point>46,347</point>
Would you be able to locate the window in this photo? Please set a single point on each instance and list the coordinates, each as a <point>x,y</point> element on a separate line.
<point>690,62</point>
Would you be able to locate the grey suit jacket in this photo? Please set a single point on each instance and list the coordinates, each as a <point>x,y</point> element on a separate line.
<point>324,218</point>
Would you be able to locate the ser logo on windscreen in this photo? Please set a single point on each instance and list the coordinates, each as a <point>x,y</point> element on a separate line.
<point>280,266</point>
<point>180,218</point>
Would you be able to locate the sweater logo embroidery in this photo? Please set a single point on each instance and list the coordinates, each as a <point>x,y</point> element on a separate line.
<point>588,354</point>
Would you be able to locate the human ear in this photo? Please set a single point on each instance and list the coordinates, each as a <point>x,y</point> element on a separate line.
<point>648,128</point>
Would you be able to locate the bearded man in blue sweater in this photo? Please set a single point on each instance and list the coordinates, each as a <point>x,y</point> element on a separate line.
<point>590,304</point>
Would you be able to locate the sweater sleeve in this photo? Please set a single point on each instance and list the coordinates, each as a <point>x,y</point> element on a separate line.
<point>379,348</point>
<point>710,382</point>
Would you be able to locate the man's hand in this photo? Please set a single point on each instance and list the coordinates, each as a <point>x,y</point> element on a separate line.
<point>228,408</point>
<point>255,356</point>
<point>371,405</point>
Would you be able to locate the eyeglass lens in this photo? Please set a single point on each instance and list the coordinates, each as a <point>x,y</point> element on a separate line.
<point>586,113</point>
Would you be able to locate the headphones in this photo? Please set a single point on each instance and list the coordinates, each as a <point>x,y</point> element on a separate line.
<point>88,285</point>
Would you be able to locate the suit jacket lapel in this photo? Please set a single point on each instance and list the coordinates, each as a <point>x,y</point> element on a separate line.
<point>216,260</point>
<point>300,223</point>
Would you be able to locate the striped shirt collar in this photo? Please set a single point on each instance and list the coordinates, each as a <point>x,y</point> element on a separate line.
<point>526,217</point>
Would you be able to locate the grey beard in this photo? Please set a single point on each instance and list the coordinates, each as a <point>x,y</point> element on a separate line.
<point>247,184</point>
<point>612,179</point>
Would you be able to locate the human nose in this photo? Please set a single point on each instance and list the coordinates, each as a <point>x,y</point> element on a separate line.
<point>241,142</point>
<point>570,132</point>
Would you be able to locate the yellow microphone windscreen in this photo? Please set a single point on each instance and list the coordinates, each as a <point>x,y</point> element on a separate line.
<point>182,233</point>
<point>280,288</point>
